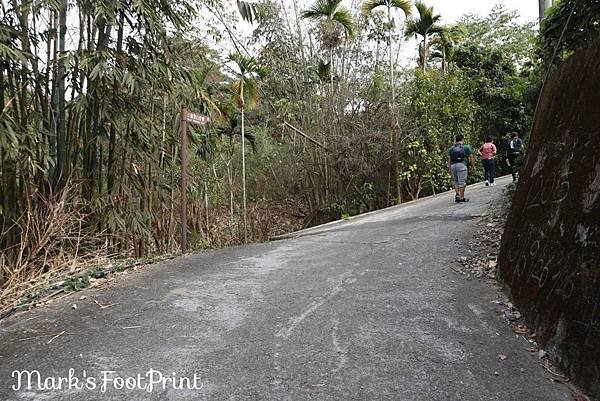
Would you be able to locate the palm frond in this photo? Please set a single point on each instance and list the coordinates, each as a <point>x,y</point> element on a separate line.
<point>411,29</point>
<point>321,9</point>
<point>423,9</point>
<point>343,17</point>
<point>250,12</point>
<point>330,10</point>
<point>425,24</point>
<point>369,5</point>
<point>404,5</point>
<point>237,89</point>
<point>251,94</point>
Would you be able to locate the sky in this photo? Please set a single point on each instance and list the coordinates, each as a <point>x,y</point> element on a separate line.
<point>452,10</point>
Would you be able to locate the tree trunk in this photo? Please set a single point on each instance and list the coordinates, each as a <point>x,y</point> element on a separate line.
<point>444,69</point>
<point>543,6</point>
<point>244,179</point>
<point>392,173</point>
<point>61,128</point>
<point>424,53</point>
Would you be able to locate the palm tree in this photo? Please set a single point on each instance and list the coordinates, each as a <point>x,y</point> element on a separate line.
<point>444,44</point>
<point>245,94</point>
<point>403,5</point>
<point>424,26</point>
<point>334,16</point>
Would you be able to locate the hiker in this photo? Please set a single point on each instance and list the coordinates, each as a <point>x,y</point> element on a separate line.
<point>487,151</point>
<point>513,153</point>
<point>458,155</point>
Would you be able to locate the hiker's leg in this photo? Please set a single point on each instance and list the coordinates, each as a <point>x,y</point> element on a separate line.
<point>485,170</point>
<point>462,179</point>
<point>454,173</point>
<point>513,170</point>
<point>488,171</point>
<point>492,170</point>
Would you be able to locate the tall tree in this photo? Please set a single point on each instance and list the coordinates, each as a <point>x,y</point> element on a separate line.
<point>444,44</point>
<point>245,94</point>
<point>333,15</point>
<point>405,6</point>
<point>402,5</point>
<point>424,26</point>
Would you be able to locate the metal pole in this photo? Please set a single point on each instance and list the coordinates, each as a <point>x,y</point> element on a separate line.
<point>183,189</point>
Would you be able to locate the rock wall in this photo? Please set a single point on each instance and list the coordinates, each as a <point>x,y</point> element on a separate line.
<point>550,253</point>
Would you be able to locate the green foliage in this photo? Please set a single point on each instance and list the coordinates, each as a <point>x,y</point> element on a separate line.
<point>426,24</point>
<point>501,31</point>
<point>245,92</point>
<point>441,106</point>
<point>445,42</point>
<point>499,90</point>
<point>562,38</point>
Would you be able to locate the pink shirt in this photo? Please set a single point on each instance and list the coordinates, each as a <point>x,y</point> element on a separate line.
<point>488,150</point>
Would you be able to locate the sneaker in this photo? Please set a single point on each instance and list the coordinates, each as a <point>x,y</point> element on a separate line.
<point>487,183</point>
<point>464,200</point>
<point>456,198</point>
<point>493,184</point>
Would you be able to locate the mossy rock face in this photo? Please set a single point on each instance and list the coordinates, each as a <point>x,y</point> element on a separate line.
<point>550,254</point>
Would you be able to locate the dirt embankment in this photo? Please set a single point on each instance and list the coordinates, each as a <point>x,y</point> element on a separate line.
<point>550,253</point>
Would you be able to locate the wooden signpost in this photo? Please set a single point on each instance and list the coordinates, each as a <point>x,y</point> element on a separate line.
<point>184,118</point>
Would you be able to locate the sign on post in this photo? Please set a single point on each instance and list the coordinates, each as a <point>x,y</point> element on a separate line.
<point>196,118</point>
<point>193,118</point>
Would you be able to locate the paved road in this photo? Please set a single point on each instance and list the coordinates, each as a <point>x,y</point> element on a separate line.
<point>366,309</point>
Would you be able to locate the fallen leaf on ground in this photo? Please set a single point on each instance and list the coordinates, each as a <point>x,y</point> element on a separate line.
<point>103,306</point>
<point>580,396</point>
<point>556,376</point>
<point>502,356</point>
<point>520,329</point>
<point>56,336</point>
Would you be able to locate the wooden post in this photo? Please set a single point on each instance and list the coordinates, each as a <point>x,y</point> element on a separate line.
<point>183,189</point>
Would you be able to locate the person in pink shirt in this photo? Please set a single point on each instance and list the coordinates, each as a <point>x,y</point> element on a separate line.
<point>487,151</point>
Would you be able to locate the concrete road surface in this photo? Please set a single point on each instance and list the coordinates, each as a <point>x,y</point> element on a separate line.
<point>365,309</point>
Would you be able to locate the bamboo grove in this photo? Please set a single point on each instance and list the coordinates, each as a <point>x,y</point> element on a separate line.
<point>87,105</point>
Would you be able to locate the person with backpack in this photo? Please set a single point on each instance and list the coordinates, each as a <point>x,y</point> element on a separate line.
<point>513,153</point>
<point>458,156</point>
<point>487,151</point>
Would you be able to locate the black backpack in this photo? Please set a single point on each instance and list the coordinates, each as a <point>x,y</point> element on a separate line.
<point>515,145</point>
<point>457,153</point>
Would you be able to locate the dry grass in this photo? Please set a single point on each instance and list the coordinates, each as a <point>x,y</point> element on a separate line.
<point>53,243</point>
<point>58,245</point>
